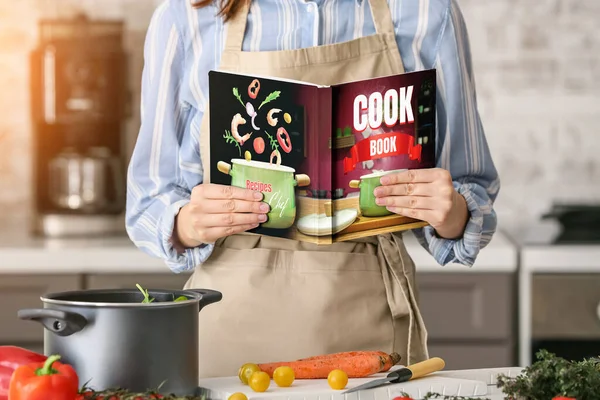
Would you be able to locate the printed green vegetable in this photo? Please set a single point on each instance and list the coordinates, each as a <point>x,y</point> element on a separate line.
<point>272,142</point>
<point>230,139</point>
<point>272,96</point>
<point>236,93</point>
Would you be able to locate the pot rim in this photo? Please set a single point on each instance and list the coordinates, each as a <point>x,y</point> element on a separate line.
<point>55,298</point>
<point>263,165</point>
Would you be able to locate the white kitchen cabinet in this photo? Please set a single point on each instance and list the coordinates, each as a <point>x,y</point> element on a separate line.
<point>470,318</point>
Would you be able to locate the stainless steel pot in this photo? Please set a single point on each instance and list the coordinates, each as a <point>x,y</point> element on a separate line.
<point>87,182</point>
<point>113,340</point>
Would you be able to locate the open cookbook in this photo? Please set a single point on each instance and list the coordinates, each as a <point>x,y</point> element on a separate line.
<point>318,152</point>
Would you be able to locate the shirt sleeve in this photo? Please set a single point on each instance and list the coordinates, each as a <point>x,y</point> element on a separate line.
<point>462,148</point>
<point>155,188</point>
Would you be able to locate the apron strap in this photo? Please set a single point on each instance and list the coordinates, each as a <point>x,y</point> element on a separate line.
<point>236,29</point>
<point>382,16</point>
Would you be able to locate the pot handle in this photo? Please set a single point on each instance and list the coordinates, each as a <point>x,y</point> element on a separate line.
<point>224,168</point>
<point>354,184</point>
<point>62,323</point>
<point>302,180</point>
<point>208,296</point>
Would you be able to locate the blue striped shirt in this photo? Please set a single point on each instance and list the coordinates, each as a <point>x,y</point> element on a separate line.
<point>184,43</point>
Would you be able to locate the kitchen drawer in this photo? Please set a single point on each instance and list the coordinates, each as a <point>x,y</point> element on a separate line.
<point>474,355</point>
<point>467,306</point>
<point>128,281</point>
<point>565,306</point>
<point>24,291</point>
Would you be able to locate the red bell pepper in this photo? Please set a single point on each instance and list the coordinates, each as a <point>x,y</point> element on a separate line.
<point>50,380</point>
<point>12,357</point>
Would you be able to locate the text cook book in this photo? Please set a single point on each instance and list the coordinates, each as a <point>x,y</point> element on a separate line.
<point>318,152</point>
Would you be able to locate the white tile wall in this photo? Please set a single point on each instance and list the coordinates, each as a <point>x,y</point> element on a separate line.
<point>537,66</point>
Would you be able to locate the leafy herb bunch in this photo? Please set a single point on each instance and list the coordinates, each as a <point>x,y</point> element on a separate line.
<point>551,376</point>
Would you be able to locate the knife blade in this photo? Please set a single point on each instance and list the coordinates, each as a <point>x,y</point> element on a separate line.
<point>404,374</point>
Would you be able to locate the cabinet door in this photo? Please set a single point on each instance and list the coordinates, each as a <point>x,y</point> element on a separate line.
<point>467,306</point>
<point>565,306</point>
<point>473,355</point>
<point>128,281</point>
<point>24,291</point>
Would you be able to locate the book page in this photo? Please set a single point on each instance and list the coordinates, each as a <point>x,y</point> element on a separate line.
<point>267,135</point>
<point>381,126</point>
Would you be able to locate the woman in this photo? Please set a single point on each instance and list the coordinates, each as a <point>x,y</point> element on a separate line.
<point>284,299</point>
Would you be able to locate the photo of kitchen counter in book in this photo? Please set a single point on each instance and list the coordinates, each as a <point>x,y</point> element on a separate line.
<point>317,153</point>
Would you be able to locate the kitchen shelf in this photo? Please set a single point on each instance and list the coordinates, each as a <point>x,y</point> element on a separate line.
<point>343,142</point>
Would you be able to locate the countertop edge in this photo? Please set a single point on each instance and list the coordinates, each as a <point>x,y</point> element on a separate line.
<point>120,256</point>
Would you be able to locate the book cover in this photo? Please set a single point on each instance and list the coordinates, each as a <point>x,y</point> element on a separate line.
<point>317,152</point>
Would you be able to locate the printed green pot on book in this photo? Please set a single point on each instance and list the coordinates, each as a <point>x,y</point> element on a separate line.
<point>366,200</point>
<point>276,182</point>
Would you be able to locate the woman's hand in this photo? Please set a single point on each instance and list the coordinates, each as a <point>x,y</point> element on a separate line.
<point>216,211</point>
<point>427,195</point>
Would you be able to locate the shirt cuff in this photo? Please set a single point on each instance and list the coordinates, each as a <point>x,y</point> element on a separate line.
<point>188,260</point>
<point>456,251</point>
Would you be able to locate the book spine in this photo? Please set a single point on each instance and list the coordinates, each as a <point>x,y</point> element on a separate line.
<point>325,118</point>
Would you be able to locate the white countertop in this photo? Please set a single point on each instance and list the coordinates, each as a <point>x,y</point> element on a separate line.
<point>22,254</point>
<point>539,254</point>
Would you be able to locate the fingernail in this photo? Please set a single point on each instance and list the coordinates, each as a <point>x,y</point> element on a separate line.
<point>384,180</point>
<point>380,201</point>
<point>378,192</point>
<point>264,207</point>
<point>262,218</point>
<point>258,195</point>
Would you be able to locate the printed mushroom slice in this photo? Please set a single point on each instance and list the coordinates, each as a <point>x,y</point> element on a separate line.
<point>323,225</point>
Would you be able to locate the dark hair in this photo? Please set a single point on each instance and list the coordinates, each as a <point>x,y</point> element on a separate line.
<point>227,8</point>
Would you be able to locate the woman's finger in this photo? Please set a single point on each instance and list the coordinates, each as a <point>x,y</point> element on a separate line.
<point>416,213</point>
<point>427,175</point>
<point>414,202</point>
<point>226,220</point>
<point>211,235</point>
<point>406,189</point>
<point>212,206</point>
<point>226,192</point>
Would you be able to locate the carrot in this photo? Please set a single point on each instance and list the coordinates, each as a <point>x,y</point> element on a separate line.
<point>356,366</point>
<point>390,359</point>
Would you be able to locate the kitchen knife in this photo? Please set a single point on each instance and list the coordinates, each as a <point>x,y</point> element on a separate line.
<point>404,374</point>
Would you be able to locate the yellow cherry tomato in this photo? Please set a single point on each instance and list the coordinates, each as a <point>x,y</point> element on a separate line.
<point>259,381</point>
<point>247,155</point>
<point>246,372</point>
<point>287,118</point>
<point>337,379</point>
<point>237,396</point>
<point>284,376</point>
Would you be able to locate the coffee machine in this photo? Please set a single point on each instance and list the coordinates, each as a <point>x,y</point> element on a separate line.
<point>80,103</point>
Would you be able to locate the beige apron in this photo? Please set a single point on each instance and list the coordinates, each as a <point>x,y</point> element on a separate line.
<point>284,299</point>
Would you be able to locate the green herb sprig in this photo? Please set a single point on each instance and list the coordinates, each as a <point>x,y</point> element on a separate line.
<point>236,93</point>
<point>273,142</point>
<point>147,298</point>
<point>430,396</point>
<point>86,393</point>
<point>552,376</point>
<point>272,96</point>
<point>230,139</point>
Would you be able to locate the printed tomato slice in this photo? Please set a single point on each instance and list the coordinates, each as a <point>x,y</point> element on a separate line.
<point>253,89</point>
<point>284,142</point>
